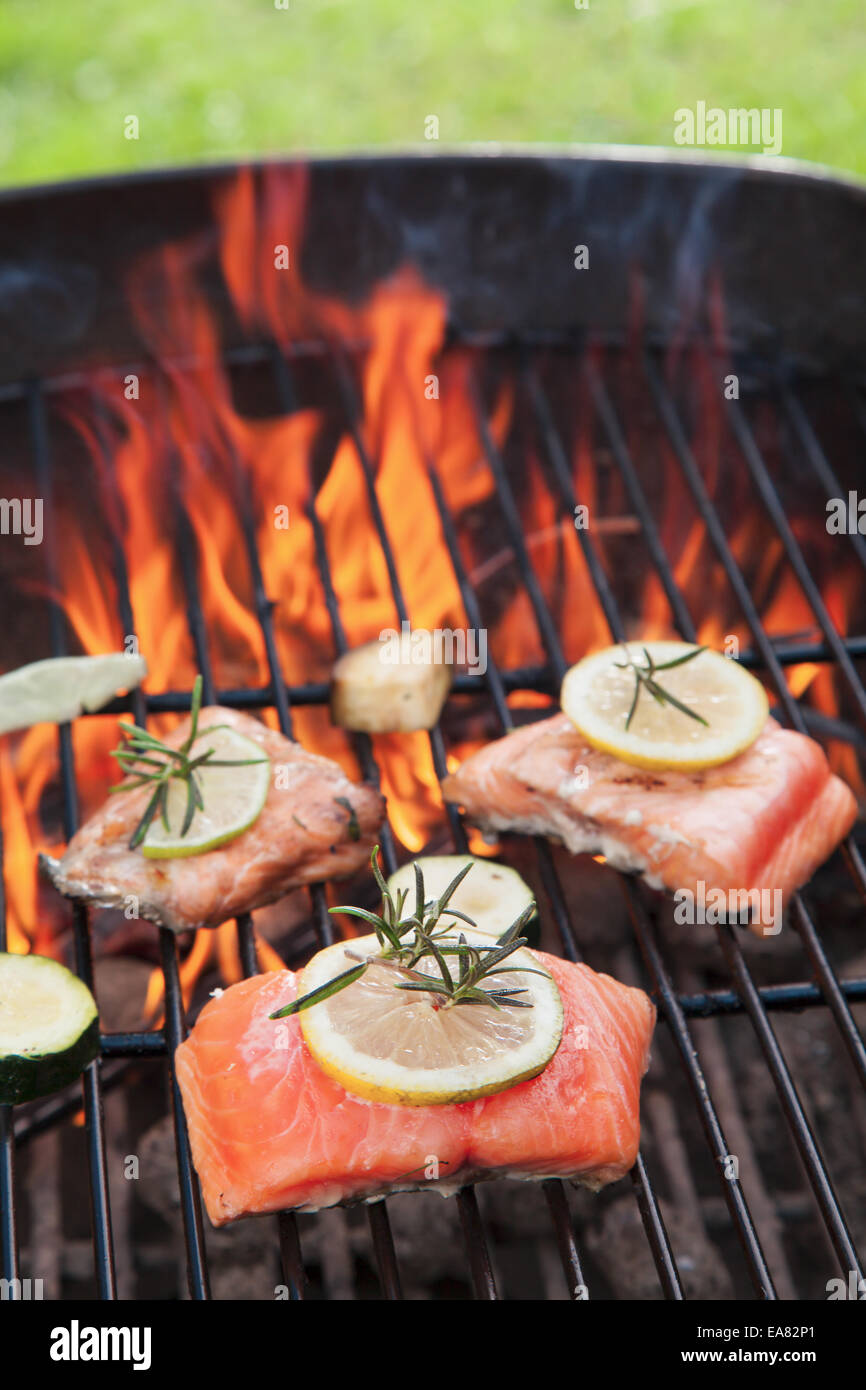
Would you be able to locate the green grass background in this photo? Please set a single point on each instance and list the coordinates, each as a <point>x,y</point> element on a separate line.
<point>219,79</point>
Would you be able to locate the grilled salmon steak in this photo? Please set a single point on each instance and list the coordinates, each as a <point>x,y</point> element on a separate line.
<point>315,825</point>
<point>761,823</point>
<point>270,1130</point>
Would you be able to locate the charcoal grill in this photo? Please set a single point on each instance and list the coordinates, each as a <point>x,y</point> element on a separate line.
<point>697,264</point>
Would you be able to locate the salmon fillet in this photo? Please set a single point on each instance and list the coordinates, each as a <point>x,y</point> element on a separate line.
<point>761,823</point>
<point>315,825</point>
<point>270,1130</point>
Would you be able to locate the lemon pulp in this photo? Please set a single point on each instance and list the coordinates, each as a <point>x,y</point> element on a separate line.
<point>233,797</point>
<point>597,695</point>
<point>402,1047</point>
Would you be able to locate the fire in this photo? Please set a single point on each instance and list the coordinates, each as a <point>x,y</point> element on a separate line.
<point>175,454</point>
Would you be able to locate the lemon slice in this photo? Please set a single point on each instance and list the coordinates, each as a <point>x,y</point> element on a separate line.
<point>233,798</point>
<point>60,688</point>
<point>597,695</point>
<point>491,894</point>
<point>401,1047</point>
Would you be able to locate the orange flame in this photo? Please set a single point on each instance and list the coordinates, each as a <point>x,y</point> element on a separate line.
<point>180,451</point>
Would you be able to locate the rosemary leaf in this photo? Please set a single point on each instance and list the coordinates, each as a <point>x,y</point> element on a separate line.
<point>474,962</point>
<point>644,678</point>
<point>123,755</point>
<point>147,761</point>
<point>665,696</point>
<point>680,660</point>
<point>521,970</point>
<point>445,897</point>
<point>229,762</point>
<point>195,707</point>
<point>377,874</point>
<point>431,986</point>
<point>474,995</point>
<point>128,784</point>
<point>491,961</point>
<point>316,996</point>
<point>633,704</point>
<point>378,922</point>
<point>141,829</point>
<point>191,802</point>
<point>419,892</point>
<point>438,957</point>
<point>455,912</point>
<point>517,926</point>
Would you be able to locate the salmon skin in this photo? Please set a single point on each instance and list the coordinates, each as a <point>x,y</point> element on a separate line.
<point>270,1130</point>
<point>758,825</point>
<point>315,825</point>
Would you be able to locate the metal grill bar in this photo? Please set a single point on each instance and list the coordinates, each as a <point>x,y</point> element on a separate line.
<point>8,1231</point>
<point>99,1197</point>
<point>558,1204</point>
<point>691,472</point>
<point>479,1258</point>
<point>746,996</point>
<point>794,1113</point>
<point>820,464</point>
<point>781,1076</point>
<point>482,1275</point>
<point>465,683</point>
<point>649,1208</point>
<point>818,956</point>
<point>377,1213</point>
<point>353,416</point>
<point>378,1218</point>
<point>715,1136</point>
<point>188,547</point>
<point>781,998</point>
<point>557,1201</point>
<point>773,505</point>
<point>791,1104</point>
<point>174,1026</point>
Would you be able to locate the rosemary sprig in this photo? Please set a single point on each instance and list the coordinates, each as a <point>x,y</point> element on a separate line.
<point>407,940</point>
<point>644,678</point>
<point>147,761</point>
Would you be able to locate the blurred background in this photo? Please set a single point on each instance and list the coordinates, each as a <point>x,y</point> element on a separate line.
<point>220,79</point>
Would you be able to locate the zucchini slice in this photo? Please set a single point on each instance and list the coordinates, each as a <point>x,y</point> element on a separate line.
<point>492,894</point>
<point>49,1027</point>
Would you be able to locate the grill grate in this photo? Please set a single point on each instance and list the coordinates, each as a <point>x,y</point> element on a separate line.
<point>676,1009</point>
